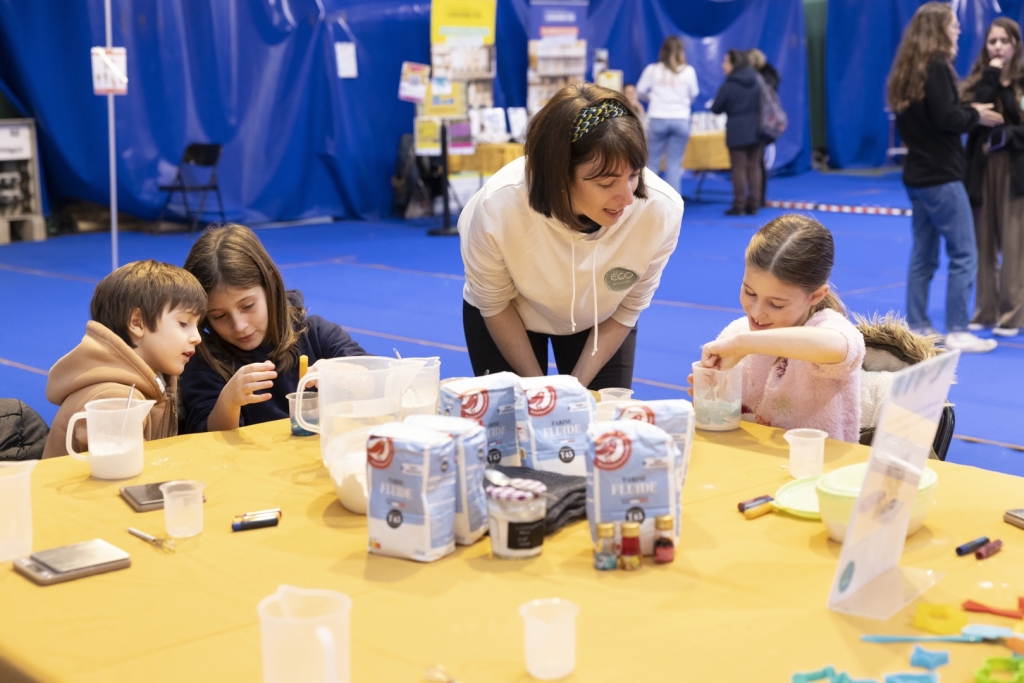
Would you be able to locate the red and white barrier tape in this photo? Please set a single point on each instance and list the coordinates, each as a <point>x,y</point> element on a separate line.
<point>838,208</point>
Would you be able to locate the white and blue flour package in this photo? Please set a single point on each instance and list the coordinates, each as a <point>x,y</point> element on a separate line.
<point>675,416</point>
<point>470,462</point>
<point>491,402</point>
<point>552,417</point>
<point>632,476</point>
<point>410,478</point>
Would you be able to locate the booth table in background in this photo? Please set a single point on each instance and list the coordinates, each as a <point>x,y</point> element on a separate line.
<point>706,152</point>
<point>488,159</point>
<point>744,600</point>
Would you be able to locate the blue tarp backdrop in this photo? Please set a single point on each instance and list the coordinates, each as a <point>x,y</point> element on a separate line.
<point>259,76</point>
<point>862,38</point>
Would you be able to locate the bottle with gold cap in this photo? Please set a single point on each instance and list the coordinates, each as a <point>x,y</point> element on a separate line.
<point>629,556</point>
<point>664,546</point>
<point>605,557</point>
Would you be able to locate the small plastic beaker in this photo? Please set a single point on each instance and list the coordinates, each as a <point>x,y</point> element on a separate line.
<point>305,636</point>
<point>615,394</point>
<point>310,409</point>
<point>806,452</point>
<point>422,395</point>
<point>550,634</point>
<point>717,397</point>
<point>16,509</point>
<point>183,508</point>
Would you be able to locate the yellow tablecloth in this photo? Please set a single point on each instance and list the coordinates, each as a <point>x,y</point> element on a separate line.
<point>488,159</point>
<point>744,600</point>
<point>707,152</point>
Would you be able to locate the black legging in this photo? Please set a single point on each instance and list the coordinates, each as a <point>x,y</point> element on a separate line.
<point>487,359</point>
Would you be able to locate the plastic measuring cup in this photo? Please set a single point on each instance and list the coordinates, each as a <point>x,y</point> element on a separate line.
<point>346,462</point>
<point>305,636</point>
<point>16,509</point>
<point>806,452</point>
<point>422,395</point>
<point>114,427</point>
<point>717,397</point>
<point>615,394</point>
<point>183,508</point>
<point>310,408</point>
<point>550,634</point>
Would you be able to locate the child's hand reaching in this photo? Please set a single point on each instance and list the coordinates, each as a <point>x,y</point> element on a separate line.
<point>241,389</point>
<point>721,354</point>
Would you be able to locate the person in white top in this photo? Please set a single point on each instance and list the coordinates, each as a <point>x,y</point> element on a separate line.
<point>671,86</point>
<point>567,245</point>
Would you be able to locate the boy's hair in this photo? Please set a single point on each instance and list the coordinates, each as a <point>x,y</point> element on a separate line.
<point>150,286</point>
<point>924,39</point>
<point>232,256</point>
<point>552,157</point>
<point>799,251</point>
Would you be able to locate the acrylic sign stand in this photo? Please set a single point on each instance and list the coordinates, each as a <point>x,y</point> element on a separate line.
<point>869,581</point>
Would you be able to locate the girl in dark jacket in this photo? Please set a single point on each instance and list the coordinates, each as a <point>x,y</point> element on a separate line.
<point>740,99</point>
<point>995,181</point>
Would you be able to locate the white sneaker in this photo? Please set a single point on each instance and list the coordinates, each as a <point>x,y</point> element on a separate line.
<point>978,327</point>
<point>966,342</point>
<point>1006,331</point>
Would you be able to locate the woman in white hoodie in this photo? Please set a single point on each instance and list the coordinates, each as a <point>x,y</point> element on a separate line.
<point>567,244</point>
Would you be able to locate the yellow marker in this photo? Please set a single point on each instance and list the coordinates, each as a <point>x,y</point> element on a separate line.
<point>303,366</point>
<point>755,512</point>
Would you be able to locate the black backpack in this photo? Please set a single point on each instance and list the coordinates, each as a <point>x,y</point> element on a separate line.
<point>773,116</point>
<point>22,432</point>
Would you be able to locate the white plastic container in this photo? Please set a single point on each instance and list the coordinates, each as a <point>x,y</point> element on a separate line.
<point>421,398</point>
<point>346,463</point>
<point>806,452</point>
<point>115,437</point>
<point>16,509</point>
<point>717,397</point>
<point>305,636</point>
<point>183,508</point>
<point>549,632</point>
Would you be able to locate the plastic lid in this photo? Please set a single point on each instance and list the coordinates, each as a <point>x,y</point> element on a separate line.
<point>664,523</point>
<point>606,530</point>
<point>847,481</point>
<point>631,529</point>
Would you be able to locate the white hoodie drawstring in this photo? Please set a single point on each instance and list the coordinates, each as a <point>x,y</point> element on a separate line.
<point>572,310</point>
<point>593,284</point>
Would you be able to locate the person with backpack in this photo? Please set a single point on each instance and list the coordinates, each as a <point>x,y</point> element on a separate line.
<point>740,99</point>
<point>771,78</point>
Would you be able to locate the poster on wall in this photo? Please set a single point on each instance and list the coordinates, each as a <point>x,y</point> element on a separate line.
<point>557,49</point>
<point>447,105</point>
<point>558,20</point>
<point>464,23</point>
<point>610,78</point>
<point>412,86</point>
<point>426,133</point>
<point>460,137</point>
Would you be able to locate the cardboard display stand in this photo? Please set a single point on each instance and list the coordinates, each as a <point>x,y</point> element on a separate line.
<point>20,191</point>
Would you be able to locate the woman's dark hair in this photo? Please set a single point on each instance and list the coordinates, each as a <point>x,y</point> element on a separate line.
<point>799,251</point>
<point>232,256</point>
<point>924,40</point>
<point>673,54</point>
<point>738,58</point>
<point>1013,70</point>
<point>552,157</point>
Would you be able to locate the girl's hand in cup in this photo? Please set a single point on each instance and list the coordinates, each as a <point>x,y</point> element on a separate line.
<point>241,389</point>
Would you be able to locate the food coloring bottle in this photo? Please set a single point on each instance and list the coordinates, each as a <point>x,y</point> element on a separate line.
<point>664,547</point>
<point>604,554</point>
<point>629,558</point>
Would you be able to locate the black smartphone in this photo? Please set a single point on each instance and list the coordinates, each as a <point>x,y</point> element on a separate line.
<point>71,562</point>
<point>145,497</point>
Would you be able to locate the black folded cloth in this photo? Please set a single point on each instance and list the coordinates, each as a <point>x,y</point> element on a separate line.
<point>570,491</point>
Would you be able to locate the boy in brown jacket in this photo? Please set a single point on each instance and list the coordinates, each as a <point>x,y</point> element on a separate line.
<point>144,329</point>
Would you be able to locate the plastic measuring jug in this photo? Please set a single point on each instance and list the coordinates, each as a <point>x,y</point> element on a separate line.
<point>615,394</point>
<point>183,507</point>
<point>115,436</point>
<point>806,452</point>
<point>305,636</point>
<point>550,634</point>
<point>16,509</point>
<point>422,395</point>
<point>717,397</point>
<point>358,391</point>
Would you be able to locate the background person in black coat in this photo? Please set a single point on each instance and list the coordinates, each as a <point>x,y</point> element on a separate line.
<point>740,99</point>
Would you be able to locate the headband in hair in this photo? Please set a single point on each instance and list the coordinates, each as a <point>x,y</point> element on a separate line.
<point>591,117</point>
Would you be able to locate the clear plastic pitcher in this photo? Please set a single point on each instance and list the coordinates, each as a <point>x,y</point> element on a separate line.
<point>305,636</point>
<point>421,397</point>
<point>717,397</point>
<point>115,436</point>
<point>360,391</point>
<point>16,509</point>
<point>549,629</point>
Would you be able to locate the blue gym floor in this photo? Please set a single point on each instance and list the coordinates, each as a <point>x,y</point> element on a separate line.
<point>393,287</point>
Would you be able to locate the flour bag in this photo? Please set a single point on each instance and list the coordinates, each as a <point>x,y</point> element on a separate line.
<point>675,416</point>
<point>491,402</point>
<point>632,476</point>
<point>470,461</point>
<point>552,417</point>
<point>411,477</point>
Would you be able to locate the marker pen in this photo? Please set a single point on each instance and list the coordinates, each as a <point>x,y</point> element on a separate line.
<point>255,523</point>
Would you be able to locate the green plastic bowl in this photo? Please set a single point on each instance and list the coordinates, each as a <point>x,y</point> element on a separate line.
<point>838,491</point>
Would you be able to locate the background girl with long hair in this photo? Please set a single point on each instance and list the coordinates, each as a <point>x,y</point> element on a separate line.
<point>995,180</point>
<point>923,93</point>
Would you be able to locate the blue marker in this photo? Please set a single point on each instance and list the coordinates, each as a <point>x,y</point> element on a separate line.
<point>968,548</point>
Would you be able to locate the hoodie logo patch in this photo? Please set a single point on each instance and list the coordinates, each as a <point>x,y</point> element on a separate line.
<point>620,279</point>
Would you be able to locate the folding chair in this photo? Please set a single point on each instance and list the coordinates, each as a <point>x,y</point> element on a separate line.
<point>188,179</point>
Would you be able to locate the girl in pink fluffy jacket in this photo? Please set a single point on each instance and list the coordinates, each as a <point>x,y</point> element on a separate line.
<point>800,353</point>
